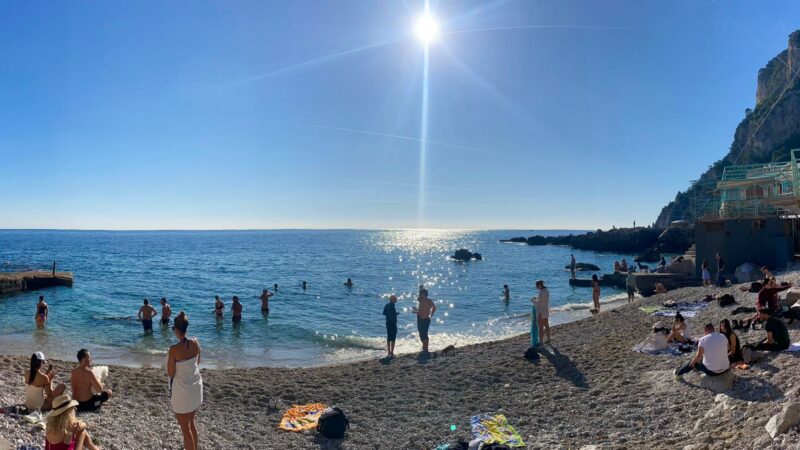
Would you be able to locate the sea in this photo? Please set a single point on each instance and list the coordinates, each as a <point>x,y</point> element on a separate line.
<point>326,323</point>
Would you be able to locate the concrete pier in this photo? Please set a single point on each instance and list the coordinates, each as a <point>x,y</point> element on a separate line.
<point>32,280</point>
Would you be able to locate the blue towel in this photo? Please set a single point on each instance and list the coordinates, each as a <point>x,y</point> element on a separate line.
<point>534,327</point>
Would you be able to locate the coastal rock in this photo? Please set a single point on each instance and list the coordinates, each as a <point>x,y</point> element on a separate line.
<point>747,273</point>
<point>781,422</point>
<point>674,240</point>
<point>623,240</point>
<point>584,267</point>
<point>720,383</point>
<point>516,240</point>
<point>463,254</point>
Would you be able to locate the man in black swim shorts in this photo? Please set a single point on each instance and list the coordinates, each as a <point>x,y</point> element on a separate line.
<point>146,314</point>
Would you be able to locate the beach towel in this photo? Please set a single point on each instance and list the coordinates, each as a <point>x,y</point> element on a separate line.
<point>302,417</point>
<point>649,347</point>
<point>100,372</point>
<point>685,308</point>
<point>494,429</point>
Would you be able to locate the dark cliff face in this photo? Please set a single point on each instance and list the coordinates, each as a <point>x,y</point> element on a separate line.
<point>763,136</point>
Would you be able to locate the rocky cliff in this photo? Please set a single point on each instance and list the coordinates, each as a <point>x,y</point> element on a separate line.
<point>767,133</point>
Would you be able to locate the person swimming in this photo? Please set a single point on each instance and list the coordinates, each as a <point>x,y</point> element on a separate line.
<point>275,287</point>
<point>218,307</point>
<point>304,285</point>
<point>349,283</point>
<point>41,312</point>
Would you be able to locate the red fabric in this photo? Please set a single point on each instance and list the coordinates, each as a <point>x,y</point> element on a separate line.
<point>60,445</point>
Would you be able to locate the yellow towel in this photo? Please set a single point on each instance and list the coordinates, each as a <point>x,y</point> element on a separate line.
<point>302,417</point>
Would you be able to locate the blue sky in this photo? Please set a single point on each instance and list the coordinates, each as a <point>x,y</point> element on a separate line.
<point>209,115</point>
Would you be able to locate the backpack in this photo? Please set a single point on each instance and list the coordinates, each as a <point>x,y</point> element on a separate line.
<point>531,354</point>
<point>333,423</point>
<point>726,300</point>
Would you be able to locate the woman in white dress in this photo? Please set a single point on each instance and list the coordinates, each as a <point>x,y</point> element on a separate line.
<point>186,384</point>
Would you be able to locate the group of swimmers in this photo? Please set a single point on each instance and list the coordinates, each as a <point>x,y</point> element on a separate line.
<point>65,432</point>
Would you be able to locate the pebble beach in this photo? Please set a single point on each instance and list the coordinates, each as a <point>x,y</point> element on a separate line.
<point>589,388</point>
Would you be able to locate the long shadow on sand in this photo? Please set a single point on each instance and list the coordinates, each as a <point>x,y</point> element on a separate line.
<point>328,444</point>
<point>750,389</point>
<point>564,366</point>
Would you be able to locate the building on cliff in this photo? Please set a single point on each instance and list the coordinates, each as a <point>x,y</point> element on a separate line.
<point>753,217</point>
<point>766,134</point>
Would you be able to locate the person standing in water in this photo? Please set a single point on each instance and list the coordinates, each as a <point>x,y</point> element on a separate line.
<point>391,324</point>
<point>349,283</point>
<point>41,312</point>
<point>543,310</point>
<point>166,312</point>
<point>219,307</point>
<point>596,293</point>
<point>506,293</point>
<point>146,314</point>
<point>424,312</point>
<point>236,310</point>
<point>265,295</point>
<point>572,265</point>
<point>304,285</point>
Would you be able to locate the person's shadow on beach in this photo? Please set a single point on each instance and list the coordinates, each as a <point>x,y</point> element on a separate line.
<point>328,444</point>
<point>564,366</point>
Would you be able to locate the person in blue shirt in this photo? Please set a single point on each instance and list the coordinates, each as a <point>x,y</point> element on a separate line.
<point>391,324</point>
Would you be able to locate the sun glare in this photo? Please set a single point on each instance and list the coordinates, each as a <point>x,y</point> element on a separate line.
<point>427,29</point>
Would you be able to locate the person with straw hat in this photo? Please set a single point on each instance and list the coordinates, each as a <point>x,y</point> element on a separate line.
<point>64,431</point>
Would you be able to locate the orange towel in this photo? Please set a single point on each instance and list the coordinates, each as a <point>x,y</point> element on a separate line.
<point>302,417</point>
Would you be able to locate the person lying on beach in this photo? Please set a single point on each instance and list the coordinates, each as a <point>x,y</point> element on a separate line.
<point>506,293</point>
<point>84,381</point>
<point>166,312</point>
<point>265,295</point>
<point>41,312</point>
<point>349,283</point>
<point>660,288</point>
<point>64,430</point>
<point>777,335</point>
<point>680,330</point>
<point>146,314</point>
<point>39,392</point>
<point>219,307</point>
<point>391,324</point>
<point>734,347</point>
<point>236,310</point>
<point>711,357</point>
<point>543,311</point>
<point>424,312</point>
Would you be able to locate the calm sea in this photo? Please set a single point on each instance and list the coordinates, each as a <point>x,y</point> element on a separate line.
<point>324,324</point>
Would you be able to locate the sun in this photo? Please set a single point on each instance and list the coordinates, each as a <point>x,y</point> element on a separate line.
<point>427,29</point>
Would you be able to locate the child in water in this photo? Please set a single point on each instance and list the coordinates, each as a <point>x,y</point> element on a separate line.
<point>391,324</point>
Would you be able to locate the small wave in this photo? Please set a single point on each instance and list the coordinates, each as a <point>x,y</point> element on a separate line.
<point>357,342</point>
<point>116,318</point>
<point>589,305</point>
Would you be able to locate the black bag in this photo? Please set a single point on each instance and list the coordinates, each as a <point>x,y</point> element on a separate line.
<point>726,300</point>
<point>755,286</point>
<point>531,354</point>
<point>333,423</point>
<point>457,445</point>
<point>495,446</point>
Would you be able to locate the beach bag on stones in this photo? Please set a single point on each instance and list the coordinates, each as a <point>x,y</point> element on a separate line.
<point>726,300</point>
<point>333,423</point>
<point>531,354</point>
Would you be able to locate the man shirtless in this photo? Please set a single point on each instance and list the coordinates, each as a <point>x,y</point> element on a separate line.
<point>236,310</point>
<point>83,381</point>
<point>166,312</point>
<point>146,314</point>
<point>265,295</point>
<point>424,313</point>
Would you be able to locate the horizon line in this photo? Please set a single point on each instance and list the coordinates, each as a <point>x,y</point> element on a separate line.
<point>297,229</point>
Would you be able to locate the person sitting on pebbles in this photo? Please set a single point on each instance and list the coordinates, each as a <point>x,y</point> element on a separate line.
<point>711,357</point>
<point>64,430</point>
<point>680,330</point>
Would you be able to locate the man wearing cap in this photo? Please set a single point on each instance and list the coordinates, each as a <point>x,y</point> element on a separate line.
<point>85,382</point>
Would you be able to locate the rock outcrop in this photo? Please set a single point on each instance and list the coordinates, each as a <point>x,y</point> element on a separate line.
<point>767,133</point>
<point>622,240</point>
<point>583,267</point>
<point>463,254</point>
<point>672,240</point>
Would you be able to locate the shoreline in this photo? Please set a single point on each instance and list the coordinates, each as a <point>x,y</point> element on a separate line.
<point>407,345</point>
<point>589,388</point>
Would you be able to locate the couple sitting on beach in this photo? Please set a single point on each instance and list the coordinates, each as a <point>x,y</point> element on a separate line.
<point>87,387</point>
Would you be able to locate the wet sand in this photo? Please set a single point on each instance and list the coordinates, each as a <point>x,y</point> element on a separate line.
<point>589,388</point>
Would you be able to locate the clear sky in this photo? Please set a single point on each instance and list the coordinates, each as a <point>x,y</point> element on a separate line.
<point>307,114</point>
